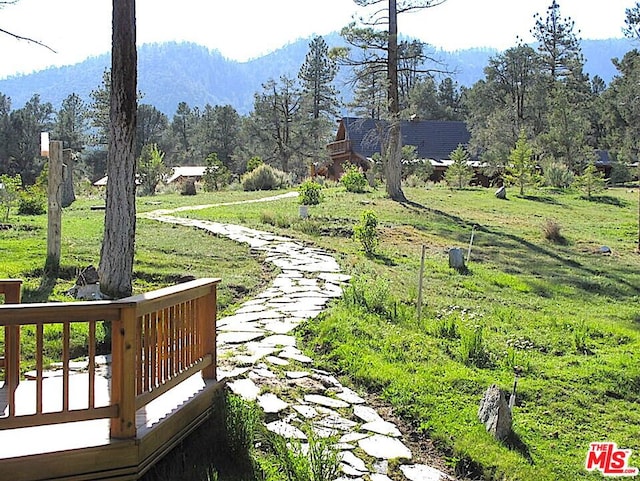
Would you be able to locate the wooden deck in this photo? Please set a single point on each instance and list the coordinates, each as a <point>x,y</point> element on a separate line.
<point>66,425</point>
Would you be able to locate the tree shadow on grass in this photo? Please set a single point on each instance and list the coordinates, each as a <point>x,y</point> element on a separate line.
<point>606,199</point>
<point>382,258</point>
<point>545,199</point>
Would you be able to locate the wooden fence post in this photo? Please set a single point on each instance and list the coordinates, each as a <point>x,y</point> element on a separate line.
<point>12,295</point>
<point>207,321</point>
<point>123,373</point>
<point>54,211</point>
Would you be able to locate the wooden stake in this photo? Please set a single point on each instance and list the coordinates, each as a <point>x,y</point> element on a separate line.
<point>420,283</point>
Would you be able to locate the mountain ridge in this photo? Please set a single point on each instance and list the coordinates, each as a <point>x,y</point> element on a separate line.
<point>173,72</point>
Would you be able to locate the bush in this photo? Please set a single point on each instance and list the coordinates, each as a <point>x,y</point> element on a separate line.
<point>310,192</point>
<point>265,177</point>
<point>473,350</point>
<point>253,163</point>
<point>556,174</point>
<point>551,232</point>
<point>353,180</point>
<point>366,231</point>
<point>32,202</point>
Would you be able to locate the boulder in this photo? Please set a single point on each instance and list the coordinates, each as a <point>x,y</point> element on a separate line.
<point>456,259</point>
<point>501,193</point>
<point>494,413</point>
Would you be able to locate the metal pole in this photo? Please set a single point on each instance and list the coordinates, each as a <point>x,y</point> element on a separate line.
<point>473,230</point>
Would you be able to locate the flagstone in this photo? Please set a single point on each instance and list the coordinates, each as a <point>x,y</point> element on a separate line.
<point>270,403</point>
<point>352,460</point>
<point>382,427</point>
<point>276,360</point>
<point>279,340</point>
<point>245,388</point>
<point>232,337</point>
<point>384,447</point>
<point>306,411</point>
<point>422,472</point>
<point>326,401</point>
<point>351,471</point>
<point>350,396</point>
<point>296,374</point>
<point>337,422</point>
<point>367,414</point>
<point>286,430</point>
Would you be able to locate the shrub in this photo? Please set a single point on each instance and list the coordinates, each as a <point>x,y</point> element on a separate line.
<point>9,189</point>
<point>151,169</point>
<point>216,174</point>
<point>353,180</point>
<point>253,163</point>
<point>32,201</point>
<point>310,192</point>
<point>473,350</point>
<point>557,174</point>
<point>366,231</point>
<point>265,177</point>
<point>551,232</point>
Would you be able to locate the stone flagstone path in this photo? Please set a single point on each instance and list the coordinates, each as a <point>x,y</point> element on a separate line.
<point>258,357</point>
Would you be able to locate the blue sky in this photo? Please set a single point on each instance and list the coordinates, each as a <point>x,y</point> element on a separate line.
<point>244,29</point>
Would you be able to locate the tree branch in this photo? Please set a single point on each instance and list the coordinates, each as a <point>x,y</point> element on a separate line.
<point>27,39</point>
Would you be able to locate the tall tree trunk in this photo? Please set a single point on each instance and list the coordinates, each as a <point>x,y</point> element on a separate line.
<point>116,258</point>
<point>393,172</point>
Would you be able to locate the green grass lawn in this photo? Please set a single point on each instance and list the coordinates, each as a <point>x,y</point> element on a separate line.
<point>564,313</point>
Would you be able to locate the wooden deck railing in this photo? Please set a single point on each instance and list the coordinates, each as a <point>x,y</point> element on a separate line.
<point>10,289</point>
<point>158,340</point>
<point>339,147</point>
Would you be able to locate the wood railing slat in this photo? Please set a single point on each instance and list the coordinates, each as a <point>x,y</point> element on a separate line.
<point>158,340</point>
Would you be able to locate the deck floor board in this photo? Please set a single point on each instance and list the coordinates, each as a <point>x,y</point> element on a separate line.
<point>83,434</point>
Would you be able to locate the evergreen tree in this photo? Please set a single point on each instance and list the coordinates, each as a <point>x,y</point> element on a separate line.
<point>71,123</point>
<point>183,128</point>
<point>151,169</point>
<point>521,170</point>
<point>558,45</point>
<point>317,75</point>
<point>459,173</point>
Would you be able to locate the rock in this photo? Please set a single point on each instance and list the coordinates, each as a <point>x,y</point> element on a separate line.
<point>88,275</point>
<point>270,403</point>
<point>325,401</point>
<point>494,413</point>
<point>422,472</point>
<point>605,250</point>
<point>384,447</point>
<point>456,259</point>
<point>501,193</point>
<point>88,292</point>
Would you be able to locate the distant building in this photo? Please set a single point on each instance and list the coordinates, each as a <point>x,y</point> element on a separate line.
<point>187,172</point>
<point>357,140</point>
<point>179,174</point>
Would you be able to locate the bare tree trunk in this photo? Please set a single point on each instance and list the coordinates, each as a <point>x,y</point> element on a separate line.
<point>68,195</point>
<point>116,259</point>
<point>393,172</point>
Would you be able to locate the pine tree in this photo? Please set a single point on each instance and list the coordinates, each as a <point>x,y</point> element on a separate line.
<point>459,173</point>
<point>521,170</point>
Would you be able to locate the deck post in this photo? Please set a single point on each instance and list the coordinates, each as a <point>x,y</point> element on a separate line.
<point>12,295</point>
<point>123,374</point>
<point>207,320</point>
